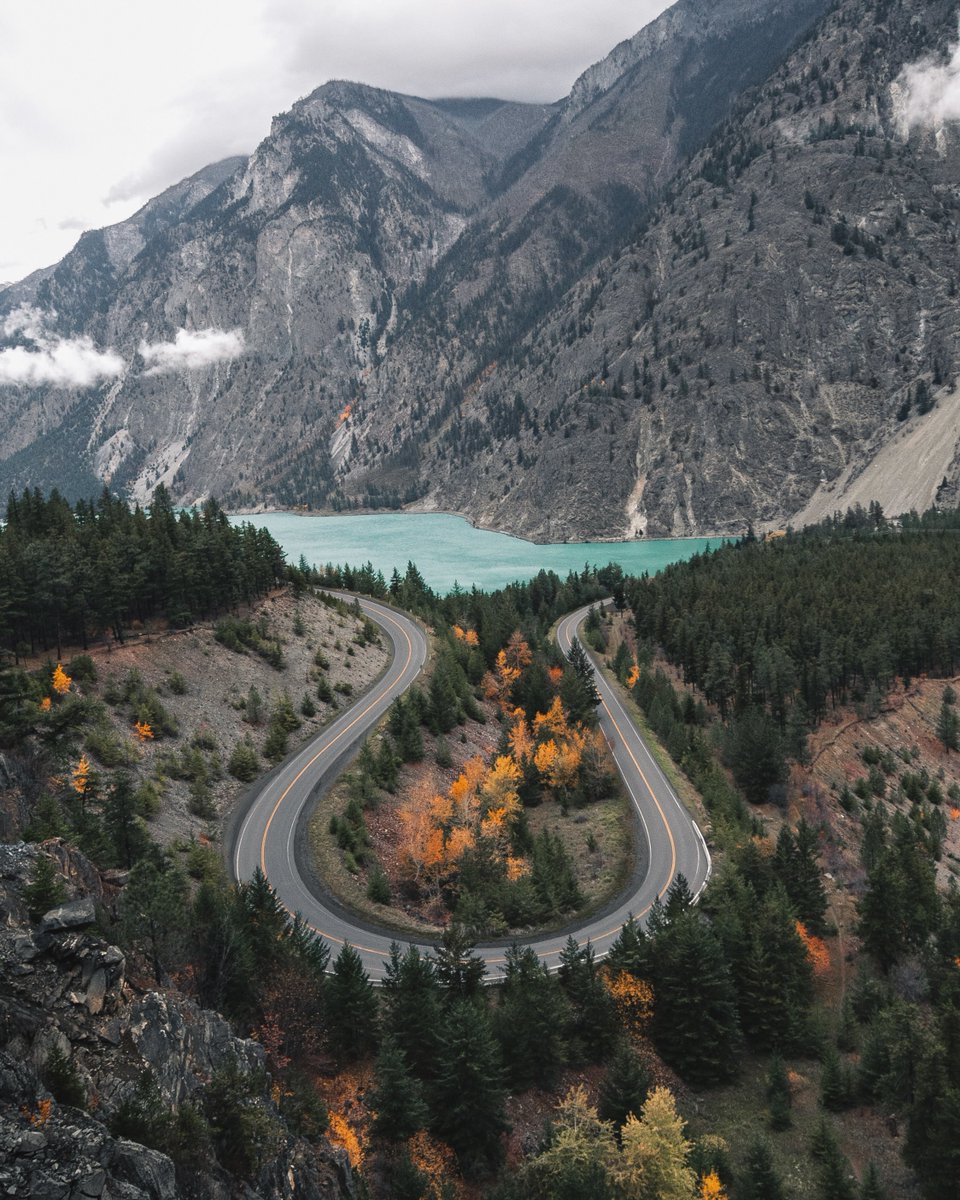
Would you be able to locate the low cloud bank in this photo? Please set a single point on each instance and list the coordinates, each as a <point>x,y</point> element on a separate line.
<point>193,349</point>
<point>48,359</point>
<point>930,92</point>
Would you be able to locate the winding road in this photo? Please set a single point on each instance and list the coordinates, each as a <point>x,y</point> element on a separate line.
<point>270,833</point>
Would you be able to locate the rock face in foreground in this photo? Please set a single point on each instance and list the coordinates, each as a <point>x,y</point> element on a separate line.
<point>64,995</point>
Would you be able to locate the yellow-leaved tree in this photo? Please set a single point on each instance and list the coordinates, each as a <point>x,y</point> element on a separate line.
<point>711,1188</point>
<point>653,1163</point>
<point>61,681</point>
<point>634,1001</point>
<point>582,1143</point>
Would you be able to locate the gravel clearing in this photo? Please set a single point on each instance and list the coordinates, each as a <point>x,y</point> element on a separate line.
<point>204,686</point>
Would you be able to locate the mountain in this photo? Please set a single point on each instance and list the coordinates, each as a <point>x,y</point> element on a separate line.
<point>549,317</point>
<point>779,342</point>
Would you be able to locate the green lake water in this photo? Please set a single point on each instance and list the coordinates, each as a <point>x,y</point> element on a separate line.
<point>448,550</point>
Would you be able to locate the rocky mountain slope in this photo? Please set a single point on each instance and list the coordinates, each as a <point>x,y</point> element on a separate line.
<point>781,338</point>
<point>77,1038</point>
<point>448,302</point>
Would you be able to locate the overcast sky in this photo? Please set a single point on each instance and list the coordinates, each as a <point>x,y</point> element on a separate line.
<point>107,102</point>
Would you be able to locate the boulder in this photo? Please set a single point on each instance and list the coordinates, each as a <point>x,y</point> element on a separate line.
<point>74,915</point>
<point>148,1170</point>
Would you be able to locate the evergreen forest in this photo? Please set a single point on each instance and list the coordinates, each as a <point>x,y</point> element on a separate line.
<point>732,658</point>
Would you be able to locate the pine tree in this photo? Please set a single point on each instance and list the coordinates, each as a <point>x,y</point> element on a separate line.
<point>351,1007</point>
<point>796,867</point>
<point>122,822</point>
<point>459,970</point>
<point>266,923</point>
<point>467,1097</point>
<point>530,1022</point>
<point>153,913</point>
<point>870,1188</point>
<point>835,1086</point>
<point>779,1099</point>
<point>46,887</point>
<point>625,1086</point>
<point>695,1023</point>
<point>226,970</point>
<point>775,978</point>
<point>592,1029</point>
<point>948,726</point>
<point>755,753</point>
<point>582,696</point>
<point>630,951</point>
<point>834,1179</point>
<point>397,1097</point>
<point>413,1007</point>
<point>759,1180</point>
<point>244,763</point>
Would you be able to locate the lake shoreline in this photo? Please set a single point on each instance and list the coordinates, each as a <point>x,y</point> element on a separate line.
<point>331,514</point>
<point>450,551</point>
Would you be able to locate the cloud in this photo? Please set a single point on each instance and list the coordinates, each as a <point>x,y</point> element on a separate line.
<point>192,350</point>
<point>63,362</point>
<point>26,321</point>
<point>929,92</point>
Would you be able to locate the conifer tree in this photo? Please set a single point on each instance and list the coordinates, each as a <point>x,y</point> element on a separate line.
<point>592,1030</point>
<point>835,1085</point>
<point>413,1007</point>
<point>530,1021</point>
<point>779,1099</point>
<point>266,921</point>
<point>244,763</point>
<point>581,1159</point>
<point>459,970</point>
<point>122,823</point>
<point>625,1086</point>
<point>221,949</point>
<point>351,1007</point>
<point>467,1096</point>
<point>695,1023</point>
<point>153,912</point>
<point>46,887</point>
<point>870,1188</point>
<point>759,1180</point>
<point>796,867</point>
<point>775,980</point>
<point>397,1096</point>
<point>630,951</point>
<point>654,1159</point>
<point>948,725</point>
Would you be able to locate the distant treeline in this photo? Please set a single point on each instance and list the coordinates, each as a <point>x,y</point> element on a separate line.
<point>815,619</point>
<point>531,607</point>
<point>70,573</point>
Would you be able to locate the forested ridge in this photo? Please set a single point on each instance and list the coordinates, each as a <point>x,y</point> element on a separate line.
<point>70,573</point>
<point>818,617</point>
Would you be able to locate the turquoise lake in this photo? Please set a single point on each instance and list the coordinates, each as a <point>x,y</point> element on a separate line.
<point>448,550</point>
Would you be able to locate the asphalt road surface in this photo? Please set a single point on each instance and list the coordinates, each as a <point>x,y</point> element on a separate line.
<point>270,833</point>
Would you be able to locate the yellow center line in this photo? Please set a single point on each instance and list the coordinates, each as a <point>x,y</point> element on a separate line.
<point>346,729</point>
<point>543,954</point>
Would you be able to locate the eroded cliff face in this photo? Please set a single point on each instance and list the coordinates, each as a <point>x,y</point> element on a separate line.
<point>525,313</point>
<point>780,341</point>
<point>65,992</point>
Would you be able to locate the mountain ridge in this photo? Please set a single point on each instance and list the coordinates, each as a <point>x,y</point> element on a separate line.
<point>419,285</point>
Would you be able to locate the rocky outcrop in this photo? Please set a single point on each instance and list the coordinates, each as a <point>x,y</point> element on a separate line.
<point>64,997</point>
